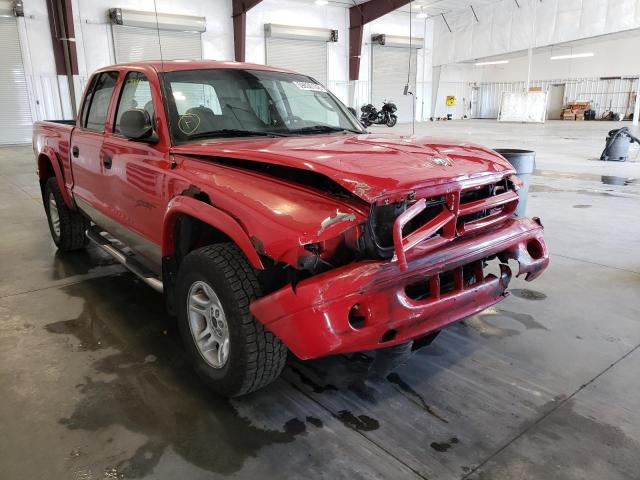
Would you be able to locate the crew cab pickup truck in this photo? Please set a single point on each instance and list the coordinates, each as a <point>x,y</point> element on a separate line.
<point>272,221</point>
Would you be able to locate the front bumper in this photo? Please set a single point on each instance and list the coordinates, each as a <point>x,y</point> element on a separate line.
<point>366,305</point>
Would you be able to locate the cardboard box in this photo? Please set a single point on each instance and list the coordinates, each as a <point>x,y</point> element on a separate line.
<point>568,115</point>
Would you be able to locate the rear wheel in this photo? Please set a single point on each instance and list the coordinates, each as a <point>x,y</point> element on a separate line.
<point>229,348</point>
<point>67,226</point>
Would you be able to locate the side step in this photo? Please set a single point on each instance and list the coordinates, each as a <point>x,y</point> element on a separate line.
<point>98,237</point>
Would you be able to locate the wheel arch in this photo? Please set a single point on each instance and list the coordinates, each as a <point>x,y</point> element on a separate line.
<point>219,227</point>
<point>50,168</point>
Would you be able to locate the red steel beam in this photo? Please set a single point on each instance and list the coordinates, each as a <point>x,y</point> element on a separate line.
<point>239,13</point>
<point>62,35</point>
<point>359,16</point>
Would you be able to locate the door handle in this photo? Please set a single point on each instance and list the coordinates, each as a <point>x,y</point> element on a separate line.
<point>106,161</point>
<point>75,151</point>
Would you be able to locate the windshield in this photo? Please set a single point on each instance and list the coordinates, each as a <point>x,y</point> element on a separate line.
<point>215,103</point>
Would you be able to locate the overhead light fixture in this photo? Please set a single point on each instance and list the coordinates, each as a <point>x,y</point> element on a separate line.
<point>321,2</point>
<point>422,15</point>
<point>495,62</point>
<point>573,55</point>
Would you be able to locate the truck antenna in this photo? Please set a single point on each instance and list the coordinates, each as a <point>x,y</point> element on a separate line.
<point>407,88</point>
<point>155,8</point>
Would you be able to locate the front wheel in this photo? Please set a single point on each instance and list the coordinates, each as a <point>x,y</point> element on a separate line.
<point>392,120</point>
<point>229,348</point>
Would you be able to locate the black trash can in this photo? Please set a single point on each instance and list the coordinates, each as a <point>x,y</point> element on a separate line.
<point>524,161</point>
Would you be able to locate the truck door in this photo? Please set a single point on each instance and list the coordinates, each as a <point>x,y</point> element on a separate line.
<point>136,173</point>
<point>86,146</point>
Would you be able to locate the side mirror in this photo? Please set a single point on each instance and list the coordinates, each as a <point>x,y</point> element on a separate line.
<point>353,110</point>
<point>135,124</point>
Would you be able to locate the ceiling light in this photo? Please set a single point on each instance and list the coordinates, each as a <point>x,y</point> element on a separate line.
<point>422,15</point>
<point>495,62</point>
<point>321,2</point>
<point>573,55</point>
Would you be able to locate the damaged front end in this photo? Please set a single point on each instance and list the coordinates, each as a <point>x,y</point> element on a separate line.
<point>414,264</point>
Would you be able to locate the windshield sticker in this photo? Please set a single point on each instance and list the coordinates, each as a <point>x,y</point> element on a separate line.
<point>188,123</point>
<point>314,87</point>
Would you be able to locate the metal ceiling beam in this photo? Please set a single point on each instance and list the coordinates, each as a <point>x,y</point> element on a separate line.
<point>239,14</point>
<point>359,16</point>
<point>60,15</point>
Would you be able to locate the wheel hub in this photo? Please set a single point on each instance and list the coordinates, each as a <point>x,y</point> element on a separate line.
<point>54,215</point>
<point>208,324</point>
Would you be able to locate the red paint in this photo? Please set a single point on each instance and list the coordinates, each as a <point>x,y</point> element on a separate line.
<point>313,320</point>
<point>213,216</point>
<point>150,184</point>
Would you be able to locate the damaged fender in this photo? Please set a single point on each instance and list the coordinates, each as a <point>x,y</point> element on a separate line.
<point>210,215</point>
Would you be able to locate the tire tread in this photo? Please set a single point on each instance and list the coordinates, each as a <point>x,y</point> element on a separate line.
<point>73,225</point>
<point>265,353</point>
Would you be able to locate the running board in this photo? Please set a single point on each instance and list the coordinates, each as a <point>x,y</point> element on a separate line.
<point>95,235</point>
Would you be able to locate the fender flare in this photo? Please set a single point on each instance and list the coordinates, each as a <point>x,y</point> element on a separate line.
<point>210,215</point>
<point>48,155</point>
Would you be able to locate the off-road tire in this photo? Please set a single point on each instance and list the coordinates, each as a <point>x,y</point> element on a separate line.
<point>73,224</point>
<point>256,357</point>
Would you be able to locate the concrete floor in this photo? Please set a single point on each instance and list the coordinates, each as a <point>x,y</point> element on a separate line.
<point>95,383</point>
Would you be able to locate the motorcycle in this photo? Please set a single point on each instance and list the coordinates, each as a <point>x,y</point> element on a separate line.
<point>384,116</point>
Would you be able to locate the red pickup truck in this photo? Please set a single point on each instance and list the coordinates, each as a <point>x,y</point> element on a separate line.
<point>272,221</point>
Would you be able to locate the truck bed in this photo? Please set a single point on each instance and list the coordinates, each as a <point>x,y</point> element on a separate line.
<point>63,122</point>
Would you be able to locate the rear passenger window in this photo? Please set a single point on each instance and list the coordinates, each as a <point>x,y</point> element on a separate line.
<point>87,100</point>
<point>136,93</point>
<point>98,106</point>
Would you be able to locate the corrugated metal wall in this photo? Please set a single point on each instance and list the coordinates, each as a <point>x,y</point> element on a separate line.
<point>15,118</point>
<point>604,94</point>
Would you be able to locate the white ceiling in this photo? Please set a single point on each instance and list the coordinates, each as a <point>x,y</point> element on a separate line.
<point>562,48</point>
<point>433,7</point>
<point>436,7</point>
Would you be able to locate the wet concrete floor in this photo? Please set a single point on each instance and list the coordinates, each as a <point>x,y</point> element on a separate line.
<point>95,383</point>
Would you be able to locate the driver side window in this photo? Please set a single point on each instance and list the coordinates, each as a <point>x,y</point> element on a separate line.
<point>136,93</point>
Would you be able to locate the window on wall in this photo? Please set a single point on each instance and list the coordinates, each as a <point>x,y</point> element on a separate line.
<point>98,101</point>
<point>136,93</point>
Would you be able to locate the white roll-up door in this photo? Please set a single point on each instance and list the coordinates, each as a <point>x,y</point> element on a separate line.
<point>389,73</point>
<point>308,57</point>
<point>15,114</point>
<point>134,44</point>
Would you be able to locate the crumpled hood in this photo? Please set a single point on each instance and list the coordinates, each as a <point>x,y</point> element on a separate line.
<point>370,166</point>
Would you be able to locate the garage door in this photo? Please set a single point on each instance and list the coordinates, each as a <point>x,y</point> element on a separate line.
<point>303,56</point>
<point>15,114</point>
<point>389,68</point>
<point>133,44</point>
